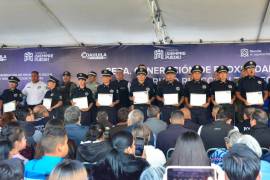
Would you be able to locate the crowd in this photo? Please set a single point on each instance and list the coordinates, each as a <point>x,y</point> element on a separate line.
<point>111,132</point>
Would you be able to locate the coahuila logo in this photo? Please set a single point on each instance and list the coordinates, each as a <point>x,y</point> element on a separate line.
<point>38,56</point>
<point>3,57</point>
<point>94,56</point>
<point>245,53</point>
<point>171,54</point>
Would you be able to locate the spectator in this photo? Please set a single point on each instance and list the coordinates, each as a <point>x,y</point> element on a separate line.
<point>15,134</point>
<point>41,117</point>
<point>153,173</point>
<point>259,129</point>
<point>34,90</point>
<point>135,117</point>
<point>189,151</point>
<point>121,163</point>
<point>95,148</point>
<point>5,148</point>
<point>166,139</point>
<point>241,163</point>
<point>54,145</point>
<point>11,169</point>
<point>69,170</point>
<point>153,122</point>
<point>244,126</point>
<point>6,118</point>
<point>122,115</point>
<point>75,131</point>
<point>189,124</point>
<point>154,157</point>
<point>103,118</point>
<point>54,124</point>
<point>213,134</point>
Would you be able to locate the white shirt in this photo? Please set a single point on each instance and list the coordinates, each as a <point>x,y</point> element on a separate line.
<point>34,92</point>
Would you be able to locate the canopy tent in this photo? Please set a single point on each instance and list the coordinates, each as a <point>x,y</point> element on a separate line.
<point>93,22</point>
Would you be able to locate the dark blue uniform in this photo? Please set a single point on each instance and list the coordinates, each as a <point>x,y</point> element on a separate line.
<point>84,92</point>
<point>122,86</point>
<point>9,95</point>
<point>199,115</point>
<point>166,87</point>
<point>146,86</point>
<point>110,89</point>
<point>56,96</point>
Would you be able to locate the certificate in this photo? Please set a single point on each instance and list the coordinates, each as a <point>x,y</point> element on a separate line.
<point>105,99</point>
<point>254,98</point>
<point>47,102</point>
<point>81,102</point>
<point>141,97</point>
<point>197,99</point>
<point>223,97</point>
<point>170,99</point>
<point>10,106</point>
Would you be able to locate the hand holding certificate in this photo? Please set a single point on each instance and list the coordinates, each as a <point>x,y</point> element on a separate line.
<point>170,99</point>
<point>254,98</point>
<point>105,99</point>
<point>141,97</point>
<point>47,102</point>
<point>9,107</point>
<point>197,99</point>
<point>223,97</point>
<point>81,102</point>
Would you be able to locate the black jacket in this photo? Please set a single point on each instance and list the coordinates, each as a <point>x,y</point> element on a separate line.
<point>262,134</point>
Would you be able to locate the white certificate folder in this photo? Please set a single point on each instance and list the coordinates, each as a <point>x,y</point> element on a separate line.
<point>223,97</point>
<point>197,99</point>
<point>105,99</point>
<point>141,97</point>
<point>47,102</point>
<point>10,106</point>
<point>81,102</point>
<point>170,99</point>
<point>254,98</point>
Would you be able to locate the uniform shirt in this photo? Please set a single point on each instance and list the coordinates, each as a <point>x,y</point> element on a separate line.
<point>222,86</point>
<point>110,89</point>
<point>34,92</point>
<point>123,88</point>
<point>9,95</point>
<point>93,87</point>
<point>65,90</point>
<point>146,86</point>
<point>55,95</point>
<point>251,84</point>
<point>85,92</point>
<point>197,87</point>
<point>166,87</point>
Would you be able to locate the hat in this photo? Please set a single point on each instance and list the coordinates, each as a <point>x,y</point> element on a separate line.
<point>13,79</point>
<point>170,69</point>
<point>66,73</point>
<point>141,71</point>
<point>120,69</point>
<point>222,68</point>
<point>82,76</point>
<point>154,157</point>
<point>92,73</point>
<point>196,68</point>
<point>106,72</point>
<point>249,64</point>
<point>52,79</point>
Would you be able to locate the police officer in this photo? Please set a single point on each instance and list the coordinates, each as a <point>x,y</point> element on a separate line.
<point>251,83</point>
<point>123,87</point>
<point>223,84</point>
<point>108,88</point>
<point>169,86</point>
<point>80,92</point>
<point>53,95</point>
<point>199,114</point>
<point>139,86</point>
<point>12,93</point>
<point>92,83</point>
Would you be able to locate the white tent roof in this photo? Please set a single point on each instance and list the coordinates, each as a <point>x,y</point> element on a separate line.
<point>71,22</point>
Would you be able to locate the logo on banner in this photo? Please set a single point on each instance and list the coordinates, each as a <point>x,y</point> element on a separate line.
<point>244,53</point>
<point>3,57</point>
<point>42,56</point>
<point>94,56</point>
<point>171,54</point>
